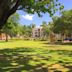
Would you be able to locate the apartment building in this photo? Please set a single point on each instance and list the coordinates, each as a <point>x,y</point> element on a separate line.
<point>37,32</point>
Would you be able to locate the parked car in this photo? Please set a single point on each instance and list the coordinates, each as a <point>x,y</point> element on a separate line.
<point>68,39</point>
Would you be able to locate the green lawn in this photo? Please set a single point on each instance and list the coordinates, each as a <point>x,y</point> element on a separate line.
<point>34,56</point>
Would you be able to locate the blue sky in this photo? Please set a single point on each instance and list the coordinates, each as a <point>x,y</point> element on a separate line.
<point>27,19</point>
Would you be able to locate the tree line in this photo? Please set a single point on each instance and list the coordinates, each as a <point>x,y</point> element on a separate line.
<point>59,25</point>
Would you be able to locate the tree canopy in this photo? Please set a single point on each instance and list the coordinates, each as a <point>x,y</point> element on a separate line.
<point>11,27</point>
<point>63,24</point>
<point>8,7</point>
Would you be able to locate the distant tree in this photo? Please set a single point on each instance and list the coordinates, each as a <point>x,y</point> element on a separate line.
<point>63,24</point>
<point>11,27</point>
<point>58,25</point>
<point>67,19</point>
<point>45,30</point>
<point>27,30</point>
<point>33,25</point>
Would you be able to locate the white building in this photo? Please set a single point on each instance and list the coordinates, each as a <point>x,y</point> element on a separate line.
<point>37,32</point>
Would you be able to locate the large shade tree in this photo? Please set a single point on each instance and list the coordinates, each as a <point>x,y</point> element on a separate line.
<point>8,7</point>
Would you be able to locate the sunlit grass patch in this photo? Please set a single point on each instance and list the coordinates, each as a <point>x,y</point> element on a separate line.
<point>34,56</point>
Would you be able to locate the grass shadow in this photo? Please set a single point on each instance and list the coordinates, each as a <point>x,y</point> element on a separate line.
<point>58,43</point>
<point>19,59</point>
<point>29,59</point>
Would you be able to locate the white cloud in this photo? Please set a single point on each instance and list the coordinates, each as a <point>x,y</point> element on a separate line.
<point>28,17</point>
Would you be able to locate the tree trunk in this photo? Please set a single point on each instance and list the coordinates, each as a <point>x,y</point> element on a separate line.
<point>6,37</point>
<point>2,22</point>
<point>6,10</point>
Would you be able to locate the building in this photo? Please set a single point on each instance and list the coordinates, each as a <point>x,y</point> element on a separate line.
<point>3,36</point>
<point>37,32</point>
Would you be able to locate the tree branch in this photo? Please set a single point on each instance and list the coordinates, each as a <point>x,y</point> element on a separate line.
<point>13,10</point>
<point>7,13</point>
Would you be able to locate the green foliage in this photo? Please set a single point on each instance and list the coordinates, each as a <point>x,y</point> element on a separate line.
<point>38,6</point>
<point>48,29</point>
<point>27,30</point>
<point>63,24</point>
<point>13,18</point>
<point>12,26</point>
<point>45,27</point>
<point>58,26</point>
<point>9,7</point>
